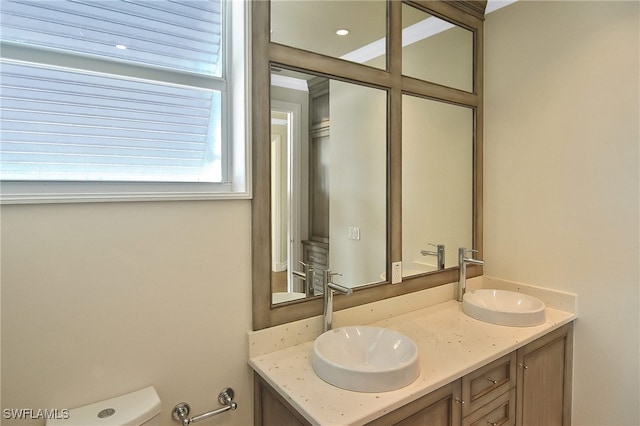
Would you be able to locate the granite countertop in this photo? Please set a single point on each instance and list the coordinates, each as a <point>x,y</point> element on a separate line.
<point>450,343</point>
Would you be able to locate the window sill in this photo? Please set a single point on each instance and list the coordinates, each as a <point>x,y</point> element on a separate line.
<point>107,192</point>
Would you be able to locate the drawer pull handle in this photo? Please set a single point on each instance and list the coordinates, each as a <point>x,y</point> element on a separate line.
<point>492,381</point>
<point>459,401</point>
<point>489,422</point>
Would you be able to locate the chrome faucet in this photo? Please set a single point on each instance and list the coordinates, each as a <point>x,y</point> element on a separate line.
<point>463,260</point>
<point>306,276</point>
<point>439,253</point>
<point>328,288</point>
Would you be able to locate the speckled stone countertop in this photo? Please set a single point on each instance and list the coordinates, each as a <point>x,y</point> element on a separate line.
<point>450,343</point>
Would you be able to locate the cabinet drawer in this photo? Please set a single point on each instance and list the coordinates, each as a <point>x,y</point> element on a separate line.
<point>316,258</point>
<point>488,382</point>
<point>499,412</point>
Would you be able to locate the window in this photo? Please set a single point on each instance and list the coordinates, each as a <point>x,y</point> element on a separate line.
<point>111,99</point>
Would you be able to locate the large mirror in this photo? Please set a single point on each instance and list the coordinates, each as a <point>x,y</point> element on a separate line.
<point>436,50</point>
<point>437,184</point>
<point>350,30</point>
<point>328,183</point>
<point>363,163</point>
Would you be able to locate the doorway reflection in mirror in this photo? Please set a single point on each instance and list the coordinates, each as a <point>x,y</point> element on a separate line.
<point>329,205</point>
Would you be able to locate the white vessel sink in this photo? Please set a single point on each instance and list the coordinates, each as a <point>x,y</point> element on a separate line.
<point>365,359</point>
<point>504,307</point>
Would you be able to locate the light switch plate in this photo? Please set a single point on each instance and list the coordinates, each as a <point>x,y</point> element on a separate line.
<point>353,233</point>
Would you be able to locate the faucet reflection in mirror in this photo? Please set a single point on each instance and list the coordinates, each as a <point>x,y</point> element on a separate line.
<point>306,276</point>
<point>438,253</point>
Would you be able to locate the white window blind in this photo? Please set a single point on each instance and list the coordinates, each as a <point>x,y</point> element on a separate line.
<point>181,35</point>
<point>66,123</point>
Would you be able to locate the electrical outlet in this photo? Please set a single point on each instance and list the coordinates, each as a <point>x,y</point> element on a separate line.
<point>396,272</point>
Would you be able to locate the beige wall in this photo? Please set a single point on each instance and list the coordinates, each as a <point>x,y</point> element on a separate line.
<point>561,180</point>
<point>103,299</point>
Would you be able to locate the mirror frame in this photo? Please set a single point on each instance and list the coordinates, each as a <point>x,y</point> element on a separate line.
<point>467,14</point>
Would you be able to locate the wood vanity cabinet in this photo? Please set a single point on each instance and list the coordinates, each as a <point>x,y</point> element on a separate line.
<point>484,396</point>
<point>315,250</point>
<point>528,387</point>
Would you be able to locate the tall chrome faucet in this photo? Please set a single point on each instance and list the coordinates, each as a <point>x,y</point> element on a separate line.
<point>439,253</point>
<point>463,260</point>
<point>328,288</point>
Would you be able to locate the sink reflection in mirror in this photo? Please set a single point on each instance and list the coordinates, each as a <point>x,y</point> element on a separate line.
<point>328,182</point>
<point>285,296</point>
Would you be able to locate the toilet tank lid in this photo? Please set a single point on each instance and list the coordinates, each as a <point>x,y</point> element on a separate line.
<point>132,409</point>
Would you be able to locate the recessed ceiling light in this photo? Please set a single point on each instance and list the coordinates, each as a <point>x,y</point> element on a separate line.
<point>342,32</point>
<point>121,47</point>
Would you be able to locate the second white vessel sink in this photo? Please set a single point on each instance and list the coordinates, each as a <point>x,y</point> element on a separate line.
<point>504,307</point>
<point>365,359</point>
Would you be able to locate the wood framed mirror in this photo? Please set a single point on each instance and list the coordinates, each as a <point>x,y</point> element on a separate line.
<point>384,73</point>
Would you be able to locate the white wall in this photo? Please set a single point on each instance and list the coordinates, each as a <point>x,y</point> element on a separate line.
<point>561,186</point>
<point>102,299</point>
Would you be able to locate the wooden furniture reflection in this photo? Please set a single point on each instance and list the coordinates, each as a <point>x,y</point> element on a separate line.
<point>315,250</point>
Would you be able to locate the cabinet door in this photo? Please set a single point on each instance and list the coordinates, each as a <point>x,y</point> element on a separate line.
<point>439,408</point>
<point>544,380</point>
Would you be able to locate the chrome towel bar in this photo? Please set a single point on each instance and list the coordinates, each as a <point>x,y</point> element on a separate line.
<point>181,411</point>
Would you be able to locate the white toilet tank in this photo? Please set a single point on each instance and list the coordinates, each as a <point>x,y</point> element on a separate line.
<point>133,409</point>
